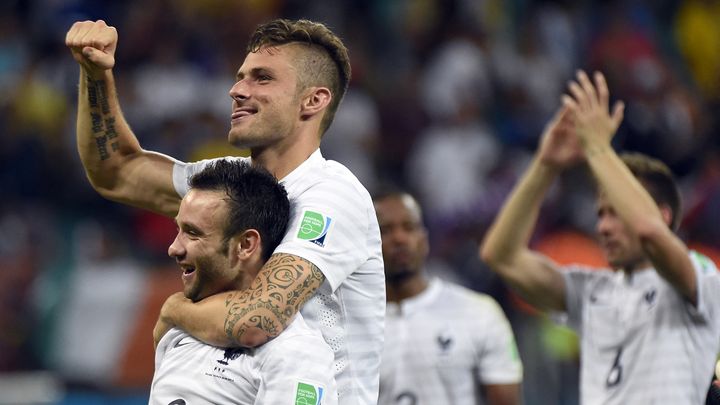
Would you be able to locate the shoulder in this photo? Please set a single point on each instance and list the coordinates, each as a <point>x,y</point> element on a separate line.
<point>461,299</point>
<point>333,194</point>
<point>336,181</point>
<point>296,343</point>
<point>703,264</point>
<point>319,175</point>
<point>297,334</point>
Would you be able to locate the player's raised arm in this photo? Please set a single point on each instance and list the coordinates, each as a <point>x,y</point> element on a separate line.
<point>117,167</point>
<point>650,221</point>
<point>505,248</point>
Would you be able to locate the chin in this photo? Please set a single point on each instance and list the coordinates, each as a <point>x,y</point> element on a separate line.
<point>193,296</point>
<point>245,141</point>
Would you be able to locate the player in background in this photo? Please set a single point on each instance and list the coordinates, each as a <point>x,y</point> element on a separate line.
<point>713,396</point>
<point>229,223</point>
<point>444,344</point>
<point>329,263</point>
<point>649,325</point>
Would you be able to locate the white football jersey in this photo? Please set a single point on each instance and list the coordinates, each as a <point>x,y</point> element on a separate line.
<point>641,341</point>
<point>334,226</point>
<point>442,344</point>
<point>294,368</point>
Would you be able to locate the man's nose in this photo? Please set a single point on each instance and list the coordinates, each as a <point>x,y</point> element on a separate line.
<point>238,91</point>
<point>176,250</point>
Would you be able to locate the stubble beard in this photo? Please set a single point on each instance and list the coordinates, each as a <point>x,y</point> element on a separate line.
<point>193,291</point>
<point>257,137</point>
<point>399,276</point>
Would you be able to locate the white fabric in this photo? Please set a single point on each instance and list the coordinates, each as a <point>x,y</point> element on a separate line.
<point>349,307</point>
<point>196,373</point>
<point>641,341</point>
<point>442,344</point>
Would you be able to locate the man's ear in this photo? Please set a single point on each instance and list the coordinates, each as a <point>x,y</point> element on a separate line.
<point>667,214</point>
<point>247,244</point>
<point>315,101</point>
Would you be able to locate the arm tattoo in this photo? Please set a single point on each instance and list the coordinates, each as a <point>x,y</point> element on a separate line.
<point>102,122</point>
<point>283,285</point>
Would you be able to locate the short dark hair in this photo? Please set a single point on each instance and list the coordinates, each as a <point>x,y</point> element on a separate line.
<point>326,63</point>
<point>390,191</point>
<point>658,180</point>
<point>255,200</point>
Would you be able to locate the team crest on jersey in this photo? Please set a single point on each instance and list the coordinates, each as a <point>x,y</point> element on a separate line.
<point>444,342</point>
<point>221,371</point>
<point>314,227</point>
<point>308,394</point>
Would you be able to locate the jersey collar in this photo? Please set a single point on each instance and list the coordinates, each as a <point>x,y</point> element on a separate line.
<point>420,302</point>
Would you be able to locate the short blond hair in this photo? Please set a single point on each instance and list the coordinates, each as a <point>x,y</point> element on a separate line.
<point>325,61</point>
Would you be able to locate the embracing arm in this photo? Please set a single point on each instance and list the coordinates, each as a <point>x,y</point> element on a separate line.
<point>253,316</point>
<point>117,167</point>
<point>627,196</point>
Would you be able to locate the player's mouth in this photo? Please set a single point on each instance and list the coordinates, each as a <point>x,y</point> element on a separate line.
<point>241,113</point>
<point>188,272</point>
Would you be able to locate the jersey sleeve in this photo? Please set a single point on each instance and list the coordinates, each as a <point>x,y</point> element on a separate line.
<point>299,370</point>
<point>708,286</point>
<point>182,172</point>
<point>329,227</point>
<point>577,283</point>
<point>497,354</point>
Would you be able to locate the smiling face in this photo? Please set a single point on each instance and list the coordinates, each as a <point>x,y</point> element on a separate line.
<point>266,98</point>
<point>404,239</point>
<point>622,249</point>
<point>199,248</point>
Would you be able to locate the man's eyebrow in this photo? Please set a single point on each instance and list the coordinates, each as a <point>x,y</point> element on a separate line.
<point>253,72</point>
<point>184,225</point>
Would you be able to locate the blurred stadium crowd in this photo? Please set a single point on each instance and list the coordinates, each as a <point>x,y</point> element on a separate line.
<point>448,98</point>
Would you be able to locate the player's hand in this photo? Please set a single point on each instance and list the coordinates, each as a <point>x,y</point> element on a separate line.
<point>595,125</point>
<point>166,321</point>
<point>160,329</point>
<point>171,305</point>
<point>559,146</point>
<point>93,44</point>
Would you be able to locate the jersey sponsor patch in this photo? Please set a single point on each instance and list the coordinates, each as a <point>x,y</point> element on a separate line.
<point>706,265</point>
<point>314,227</point>
<point>308,394</point>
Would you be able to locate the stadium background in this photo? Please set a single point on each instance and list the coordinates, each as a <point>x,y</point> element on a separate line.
<point>448,97</point>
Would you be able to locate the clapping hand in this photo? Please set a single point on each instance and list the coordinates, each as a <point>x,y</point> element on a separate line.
<point>588,104</point>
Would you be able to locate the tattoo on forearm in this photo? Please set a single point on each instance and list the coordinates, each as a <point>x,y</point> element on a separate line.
<point>92,93</point>
<point>102,123</point>
<point>103,96</point>
<point>281,288</point>
<point>97,122</point>
<point>101,142</point>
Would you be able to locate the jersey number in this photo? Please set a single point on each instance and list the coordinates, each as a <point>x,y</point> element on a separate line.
<point>615,375</point>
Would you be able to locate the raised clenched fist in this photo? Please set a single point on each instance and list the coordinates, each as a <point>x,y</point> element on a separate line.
<point>93,44</point>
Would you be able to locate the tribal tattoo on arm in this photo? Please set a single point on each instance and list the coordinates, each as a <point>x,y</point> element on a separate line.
<point>281,287</point>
